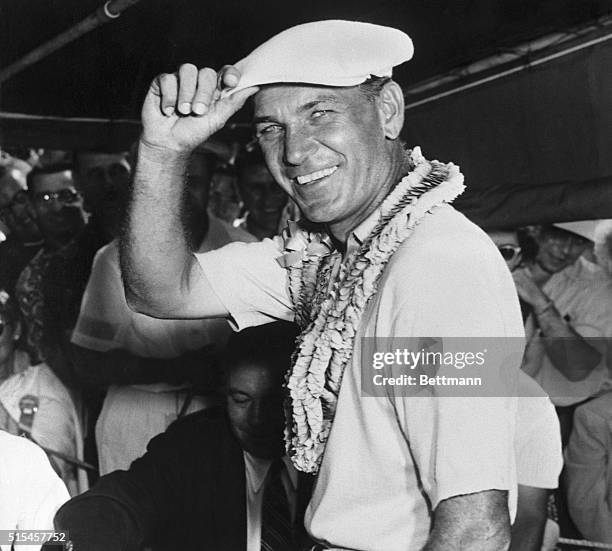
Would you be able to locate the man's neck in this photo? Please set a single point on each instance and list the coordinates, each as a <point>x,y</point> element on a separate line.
<point>398,168</point>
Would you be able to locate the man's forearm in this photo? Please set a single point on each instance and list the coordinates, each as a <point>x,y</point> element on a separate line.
<point>155,254</point>
<point>478,522</point>
<point>569,352</point>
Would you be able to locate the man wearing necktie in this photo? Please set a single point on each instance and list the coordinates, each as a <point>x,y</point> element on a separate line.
<point>218,479</point>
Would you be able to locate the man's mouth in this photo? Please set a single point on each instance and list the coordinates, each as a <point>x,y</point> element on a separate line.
<point>314,176</point>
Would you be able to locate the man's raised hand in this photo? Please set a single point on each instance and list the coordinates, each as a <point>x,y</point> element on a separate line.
<point>185,108</point>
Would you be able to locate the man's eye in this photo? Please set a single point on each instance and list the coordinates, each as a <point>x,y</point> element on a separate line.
<point>240,399</point>
<point>268,130</point>
<point>319,113</point>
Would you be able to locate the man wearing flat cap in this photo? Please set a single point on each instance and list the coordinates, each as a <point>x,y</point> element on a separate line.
<point>379,253</point>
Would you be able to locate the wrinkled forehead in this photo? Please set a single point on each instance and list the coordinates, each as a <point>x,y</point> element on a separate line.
<point>254,377</point>
<point>288,97</point>
<point>54,181</point>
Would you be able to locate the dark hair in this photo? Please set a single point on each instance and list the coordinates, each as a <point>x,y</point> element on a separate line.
<point>49,169</point>
<point>271,345</point>
<point>529,246</point>
<point>372,87</point>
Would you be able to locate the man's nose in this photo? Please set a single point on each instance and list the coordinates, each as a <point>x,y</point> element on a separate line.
<point>299,144</point>
<point>260,414</point>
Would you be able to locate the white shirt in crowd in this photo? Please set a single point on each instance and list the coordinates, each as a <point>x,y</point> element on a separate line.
<point>256,470</point>
<point>30,490</point>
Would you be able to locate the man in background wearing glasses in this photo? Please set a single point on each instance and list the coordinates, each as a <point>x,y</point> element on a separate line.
<point>20,237</point>
<point>58,208</point>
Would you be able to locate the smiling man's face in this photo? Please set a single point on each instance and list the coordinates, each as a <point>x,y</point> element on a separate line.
<point>255,408</point>
<point>328,148</point>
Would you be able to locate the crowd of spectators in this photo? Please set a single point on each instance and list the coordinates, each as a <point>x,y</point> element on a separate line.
<point>91,382</point>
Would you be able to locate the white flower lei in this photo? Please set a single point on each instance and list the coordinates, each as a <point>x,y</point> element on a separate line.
<point>329,306</point>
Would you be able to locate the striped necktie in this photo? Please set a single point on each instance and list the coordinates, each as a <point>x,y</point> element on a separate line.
<point>276,526</point>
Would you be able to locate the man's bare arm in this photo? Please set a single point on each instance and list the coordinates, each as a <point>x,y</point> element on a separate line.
<point>162,278</point>
<point>528,528</point>
<point>478,522</point>
<point>569,352</point>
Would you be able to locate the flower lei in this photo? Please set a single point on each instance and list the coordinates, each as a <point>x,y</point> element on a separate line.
<point>330,300</point>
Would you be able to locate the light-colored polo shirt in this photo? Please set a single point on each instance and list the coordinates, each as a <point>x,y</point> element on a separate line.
<point>539,458</point>
<point>390,461</point>
<point>582,293</point>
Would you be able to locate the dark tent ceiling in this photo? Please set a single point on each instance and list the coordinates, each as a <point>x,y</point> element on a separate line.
<point>105,73</point>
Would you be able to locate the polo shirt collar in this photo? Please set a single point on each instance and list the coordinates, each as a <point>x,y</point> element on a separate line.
<point>361,232</point>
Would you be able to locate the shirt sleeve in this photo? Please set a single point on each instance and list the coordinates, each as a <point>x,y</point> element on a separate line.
<point>538,443</point>
<point>589,481</point>
<point>249,282</point>
<point>104,312</point>
<point>459,287</point>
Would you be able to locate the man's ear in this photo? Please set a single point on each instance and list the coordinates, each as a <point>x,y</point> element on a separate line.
<point>391,105</point>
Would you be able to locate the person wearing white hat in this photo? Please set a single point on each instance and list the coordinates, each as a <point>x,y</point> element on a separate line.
<point>571,299</point>
<point>380,253</point>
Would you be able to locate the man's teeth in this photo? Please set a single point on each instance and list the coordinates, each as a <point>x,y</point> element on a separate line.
<point>316,175</point>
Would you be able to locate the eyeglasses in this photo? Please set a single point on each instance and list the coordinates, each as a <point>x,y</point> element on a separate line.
<point>509,252</point>
<point>65,196</point>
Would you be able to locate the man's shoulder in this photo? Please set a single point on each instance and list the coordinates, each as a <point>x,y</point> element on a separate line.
<point>446,233</point>
<point>210,422</point>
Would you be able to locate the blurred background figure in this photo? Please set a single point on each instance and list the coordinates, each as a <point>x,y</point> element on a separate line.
<point>571,297</point>
<point>218,479</point>
<point>603,245</point>
<point>20,238</point>
<point>35,404</point>
<point>155,370</point>
<point>516,246</point>
<point>589,469</point>
<point>263,199</point>
<point>225,202</point>
<point>103,180</point>
<point>59,212</point>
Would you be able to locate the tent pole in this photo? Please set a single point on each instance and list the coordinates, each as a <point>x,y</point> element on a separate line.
<point>110,10</point>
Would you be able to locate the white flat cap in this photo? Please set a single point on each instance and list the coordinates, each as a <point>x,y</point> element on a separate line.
<point>327,53</point>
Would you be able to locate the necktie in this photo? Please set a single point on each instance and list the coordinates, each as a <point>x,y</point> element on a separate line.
<point>276,526</point>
